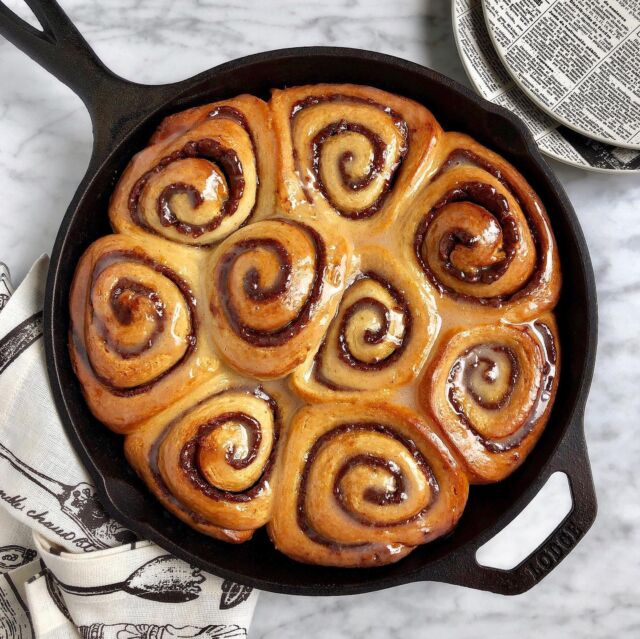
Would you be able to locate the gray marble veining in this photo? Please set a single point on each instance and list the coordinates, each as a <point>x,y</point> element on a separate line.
<point>45,142</point>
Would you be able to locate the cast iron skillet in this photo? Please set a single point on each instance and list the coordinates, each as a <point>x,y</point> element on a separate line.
<point>124,115</point>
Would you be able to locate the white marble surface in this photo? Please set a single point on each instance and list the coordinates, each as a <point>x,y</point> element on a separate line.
<point>45,141</point>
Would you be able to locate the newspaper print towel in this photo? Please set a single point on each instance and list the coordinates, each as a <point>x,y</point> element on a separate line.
<point>42,483</point>
<point>66,568</point>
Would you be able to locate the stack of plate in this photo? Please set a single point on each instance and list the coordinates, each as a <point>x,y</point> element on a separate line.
<point>570,69</point>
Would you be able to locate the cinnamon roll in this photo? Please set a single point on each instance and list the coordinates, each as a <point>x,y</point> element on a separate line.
<point>207,172</point>
<point>273,286</point>
<point>378,339</point>
<point>137,341</point>
<point>365,484</point>
<point>481,236</point>
<point>491,388</point>
<point>320,314</point>
<point>209,458</point>
<point>349,152</point>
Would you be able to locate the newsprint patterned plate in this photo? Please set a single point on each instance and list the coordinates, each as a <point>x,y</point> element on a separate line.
<point>491,80</point>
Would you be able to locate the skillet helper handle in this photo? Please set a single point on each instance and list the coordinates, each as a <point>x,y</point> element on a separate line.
<point>113,102</point>
<point>572,459</point>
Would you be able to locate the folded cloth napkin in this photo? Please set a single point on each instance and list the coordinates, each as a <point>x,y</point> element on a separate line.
<point>67,569</point>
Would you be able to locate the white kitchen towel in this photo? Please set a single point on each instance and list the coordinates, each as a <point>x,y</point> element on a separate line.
<point>66,568</point>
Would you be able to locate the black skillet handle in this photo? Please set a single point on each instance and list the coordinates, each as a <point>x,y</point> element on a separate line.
<point>571,458</point>
<point>113,102</point>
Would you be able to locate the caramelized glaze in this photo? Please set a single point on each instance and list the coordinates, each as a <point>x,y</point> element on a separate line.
<point>323,315</point>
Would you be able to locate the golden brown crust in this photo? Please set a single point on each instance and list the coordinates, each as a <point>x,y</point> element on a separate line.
<point>351,155</point>
<point>273,287</point>
<point>332,247</point>
<point>480,236</point>
<point>490,389</point>
<point>206,172</point>
<point>365,484</point>
<point>210,457</point>
<point>378,339</point>
<point>138,339</point>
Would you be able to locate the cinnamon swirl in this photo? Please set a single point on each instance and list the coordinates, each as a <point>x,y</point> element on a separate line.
<point>210,458</point>
<point>138,339</point>
<point>365,484</point>
<point>491,388</point>
<point>350,152</point>
<point>206,173</point>
<point>481,236</point>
